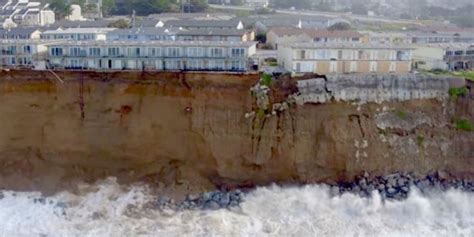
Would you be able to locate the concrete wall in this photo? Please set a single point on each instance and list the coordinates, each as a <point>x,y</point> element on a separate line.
<point>375,88</point>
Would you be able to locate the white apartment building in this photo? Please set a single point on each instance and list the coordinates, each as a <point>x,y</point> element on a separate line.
<point>26,13</point>
<point>78,34</point>
<point>152,55</point>
<point>22,52</point>
<point>329,58</point>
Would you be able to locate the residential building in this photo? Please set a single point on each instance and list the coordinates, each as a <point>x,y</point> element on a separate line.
<point>257,3</point>
<point>142,34</point>
<point>335,57</point>
<point>26,13</point>
<point>22,52</point>
<point>77,34</point>
<point>20,33</point>
<point>283,35</point>
<point>460,57</point>
<point>387,37</point>
<point>66,24</point>
<point>215,35</point>
<point>152,55</point>
<point>430,38</point>
<point>430,57</point>
<point>204,24</point>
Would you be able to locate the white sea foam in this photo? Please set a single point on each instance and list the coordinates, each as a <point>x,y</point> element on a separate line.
<point>110,210</point>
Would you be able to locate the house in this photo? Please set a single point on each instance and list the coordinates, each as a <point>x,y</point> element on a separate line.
<point>20,33</point>
<point>282,35</point>
<point>65,24</point>
<point>460,57</point>
<point>215,35</point>
<point>141,34</point>
<point>257,3</point>
<point>26,13</point>
<point>204,24</point>
<point>337,57</point>
<point>387,37</point>
<point>22,52</point>
<point>77,34</point>
<point>430,56</point>
<point>152,55</point>
<point>439,37</point>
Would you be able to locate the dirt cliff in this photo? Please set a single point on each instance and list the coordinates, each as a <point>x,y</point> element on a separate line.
<point>188,133</point>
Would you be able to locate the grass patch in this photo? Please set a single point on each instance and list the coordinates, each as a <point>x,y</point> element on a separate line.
<point>267,80</point>
<point>420,140</point>
<point>460,91</point>
<point>401,114</point>
<point>464,124</point>
<point>260,113</point>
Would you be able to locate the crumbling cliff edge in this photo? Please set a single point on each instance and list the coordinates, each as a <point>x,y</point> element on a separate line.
<point>189,132</point>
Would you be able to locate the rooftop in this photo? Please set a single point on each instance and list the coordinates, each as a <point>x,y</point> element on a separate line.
<point>212,32</point>
<point>343,45</point>
<point>157,43</point>
<point>281,31</point>
<point>201,23</point>
<point>142,31</point>
<point>80,31</point>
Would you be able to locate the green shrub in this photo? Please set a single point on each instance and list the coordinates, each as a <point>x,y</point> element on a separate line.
<point>464,124</point>
<point>267,80</point>
<point>461,91</point>
<point>401,114</point>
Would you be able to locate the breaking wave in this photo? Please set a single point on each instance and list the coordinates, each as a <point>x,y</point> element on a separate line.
<point>108,209</point>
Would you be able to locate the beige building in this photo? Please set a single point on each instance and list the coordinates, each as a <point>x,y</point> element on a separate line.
<point>333,58</point>
<point>286,35</point>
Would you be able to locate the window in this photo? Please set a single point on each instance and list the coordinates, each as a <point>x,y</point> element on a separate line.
<point>195,52</point>
<point>217,52</point>
<point>195,64</point>
<point>56,51</point>
<point>470,52</point>
<point>174,52</point>
<point>94,51</point>
<point>458,52</point>
<point>238,52</point>
<point>113,51</point>
<point>154,52</point>
<point>373,66</point>
<point>237,65</point>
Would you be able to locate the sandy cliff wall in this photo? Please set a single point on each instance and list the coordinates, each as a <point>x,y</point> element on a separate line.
<point>188,132</point>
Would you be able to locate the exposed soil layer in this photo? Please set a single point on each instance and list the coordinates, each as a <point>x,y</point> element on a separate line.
<point>187,133</point>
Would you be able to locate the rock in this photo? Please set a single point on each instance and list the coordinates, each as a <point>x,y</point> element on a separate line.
<point>207,196</point>
<point>381,187</point>
<point>401,182</point>
<point>225,200</point>
<point>192,197</point>
<point>405,189</point>
<point>334,191</point>
<point>391,191</point>
<point>234,203</point>
<point>216,197</point>
<point>213,205</point>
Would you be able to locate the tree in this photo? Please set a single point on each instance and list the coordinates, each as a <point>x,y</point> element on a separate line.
<point>340,26</point>
<point>81,3</point>
<point>60,8</point>
<point>298,4</point>
<point>121,24</point>
<point>360,9</point>
<point>198,5</point>
<point>237,2</point>
<point>108,6</point>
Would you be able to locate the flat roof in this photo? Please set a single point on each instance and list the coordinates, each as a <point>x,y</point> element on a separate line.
<point>343,45</point>
<point>156,43</point>
<point>79,31</point>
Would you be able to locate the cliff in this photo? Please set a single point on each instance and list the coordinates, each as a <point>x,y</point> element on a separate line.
<point>189,132</point>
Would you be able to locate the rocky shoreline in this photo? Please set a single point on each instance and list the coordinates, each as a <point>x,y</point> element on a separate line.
<point>390,187</point>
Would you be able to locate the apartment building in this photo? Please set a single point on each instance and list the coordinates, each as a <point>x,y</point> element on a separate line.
<point>287,35</point>
<point>20,33</point>
<point>387,37</point>
<point>460,57</point>
<point>77,34</point>
<point>152,55</point>
<point>22,52</point>
<point>215,35</point>
<point>25,13</point>
<point>204,24</point>
<point>142,34</point>
<point>440,37</point>
<point>327,58</point>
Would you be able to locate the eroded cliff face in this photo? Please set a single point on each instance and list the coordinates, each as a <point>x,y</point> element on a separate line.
<point>189,133</point>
